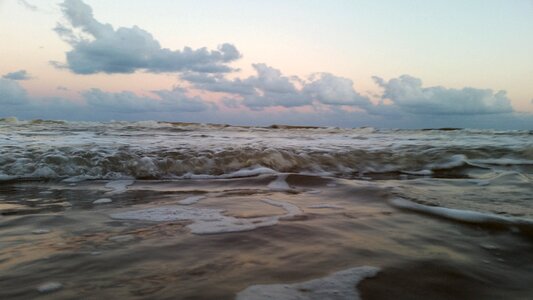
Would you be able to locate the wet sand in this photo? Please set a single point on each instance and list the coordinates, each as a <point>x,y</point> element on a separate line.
<point>58,234</point>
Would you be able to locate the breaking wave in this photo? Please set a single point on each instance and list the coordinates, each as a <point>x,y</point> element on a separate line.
<point>42,149</point>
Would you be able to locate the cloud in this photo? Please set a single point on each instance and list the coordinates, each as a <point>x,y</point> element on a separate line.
<point>17,75</point>
<point>98,47</point>
<point>334,90</point>
<point>272,88</point>
<point>269,87</point>
<point>218,83</point>
<point>174,100</point>
<point>99,105</point>
<point>11,93</point>
<point>177,100</point>
<point>408,95</point>
<point>175,104</point>
<point>27,5</point>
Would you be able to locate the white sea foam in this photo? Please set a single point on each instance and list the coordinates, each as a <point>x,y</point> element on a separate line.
<point>313,192</point>
<point>102,201</point>
<point>247,172</point>
<point>191,200</point>
<point>118,186</point>
<point>466,216</point>
<point>291,209</point>
<point>337,286</point>
<point>419,173</point>
<point>208,220</point>
<point>44,172</point>
<point>79,178</point>
<point>279,184</point>
<point>122,238</point>
<point>49,287</point>
<point>452,162</point>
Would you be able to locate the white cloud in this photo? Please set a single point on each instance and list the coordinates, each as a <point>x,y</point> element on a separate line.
<point>408,95</point>
<point>272,88</point>
<point>98,47</point>
<point>269,87</point>
<point>330,89</point>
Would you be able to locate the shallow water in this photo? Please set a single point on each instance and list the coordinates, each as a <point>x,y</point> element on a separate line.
<point>185,211</point>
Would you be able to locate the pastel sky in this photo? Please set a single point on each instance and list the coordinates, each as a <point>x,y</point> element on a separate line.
<point>407,64</point>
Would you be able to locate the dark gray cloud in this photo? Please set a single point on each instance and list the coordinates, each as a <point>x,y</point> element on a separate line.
<point>269,87</point>
<point>174,100</point>
<point>408,95</point>
<point>11,93</point>
<point>98,47</point>
<point>17,75</point>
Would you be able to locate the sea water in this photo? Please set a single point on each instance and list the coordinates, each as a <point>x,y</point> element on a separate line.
<point>158,210</point>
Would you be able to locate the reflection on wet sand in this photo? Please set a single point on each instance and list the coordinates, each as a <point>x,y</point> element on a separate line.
<point>348,224</point>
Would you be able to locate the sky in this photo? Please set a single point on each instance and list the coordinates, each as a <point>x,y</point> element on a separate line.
<point>386,64</point>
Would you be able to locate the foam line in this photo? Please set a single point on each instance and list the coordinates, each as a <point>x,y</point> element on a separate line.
<point>466,216</point>
<point>208,220</point>
<point>191,200</point>
<point>118,186</point>
<point>337,286</point>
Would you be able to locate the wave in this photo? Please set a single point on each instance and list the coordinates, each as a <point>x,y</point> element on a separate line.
<point>76,164</point>
<point>47,149</point>
<point>467,216</point>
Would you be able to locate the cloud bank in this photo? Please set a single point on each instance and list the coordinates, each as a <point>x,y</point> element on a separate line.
<point>99,48</point>
<point>98,104</point>
<point>175,104</point>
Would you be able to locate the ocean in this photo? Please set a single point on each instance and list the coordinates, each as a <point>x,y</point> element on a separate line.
<point>162,210</point>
